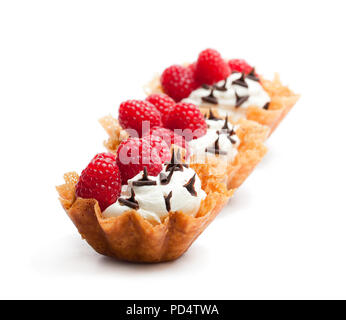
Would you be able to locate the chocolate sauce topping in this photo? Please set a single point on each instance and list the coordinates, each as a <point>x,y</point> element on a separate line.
<point>173,161</point>
<point>166,179</point>
<point>145,175</point>
<point>130,202</point>
<point>176,163</point>
<point>211,98</point>
<point>144,181</point>
<point>168,201</point>
<point>226,129</point>
<point>266,106</point>
<point>225,125</point>
<point>190,186</point>
<point>231,132</point>
<point>241,81</point>
<point>212,116</point>
<point>240,100</point>
<point>231,139</point>
<point>206,86</point>
<point>163,178</point>
<point>215,149</point>
<point>252,75</point>
<point>223,87</point>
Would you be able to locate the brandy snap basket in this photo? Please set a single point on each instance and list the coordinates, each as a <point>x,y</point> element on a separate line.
<point>129,236</point>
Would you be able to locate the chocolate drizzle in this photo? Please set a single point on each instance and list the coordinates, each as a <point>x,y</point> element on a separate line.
<point>240,100</point>
<point>215,149</point>
<point>231,139</point>
<point>266,106</point>
<point>206,86</point>
<point>166,179</point>
<point>231,132</point>
<point>175,163</point>
<point>163,178</point>
<point>227,130</point>
<point>130,202</point>
<point>223,87</point>
<point>168,201</point>
<point>212,116</point>
<point>210,98</point>
<point>190,186</point>
<point>252,75</point>
<point>241,81</point>
<point>144,181</point>
<point>225,125</point>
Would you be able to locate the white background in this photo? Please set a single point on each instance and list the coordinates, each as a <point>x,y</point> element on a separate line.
<point>64,64</point>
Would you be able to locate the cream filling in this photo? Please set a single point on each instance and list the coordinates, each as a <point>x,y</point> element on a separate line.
<point>207,142</point>
<point>151,199</point>
<point>227,99</point>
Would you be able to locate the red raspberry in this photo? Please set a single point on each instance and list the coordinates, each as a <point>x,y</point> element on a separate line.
<point>187,117</point>
<point>192,67</point>
<point>178,82</point>
<point>211,67</point>
<point>162,102</point>
<point>169,137</point>
<point>100,180</point>
<point>132,113</point>
<point>239,65</point>
<point>134,154</point>
<point>159,146</point>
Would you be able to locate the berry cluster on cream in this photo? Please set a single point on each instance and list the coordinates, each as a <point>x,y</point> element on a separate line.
<point>231,85</point>
<point>138,177</point>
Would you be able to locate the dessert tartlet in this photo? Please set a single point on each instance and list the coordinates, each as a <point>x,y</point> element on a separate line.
<point>232,87</point>
<point>152,218</point>
<point>225,155</point>
<point>175,158</point>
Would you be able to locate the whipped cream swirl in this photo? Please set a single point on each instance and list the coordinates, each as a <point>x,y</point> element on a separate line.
<point>234,94</point>
<point>221,140</point>
<point>176,188</point>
